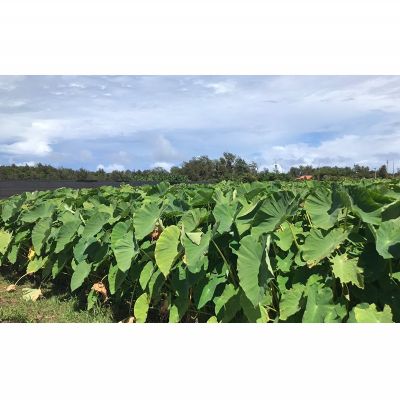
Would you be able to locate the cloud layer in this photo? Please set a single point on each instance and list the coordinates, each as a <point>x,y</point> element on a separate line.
<point>145,121</point>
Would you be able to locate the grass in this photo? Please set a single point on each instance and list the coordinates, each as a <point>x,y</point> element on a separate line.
<point>52,307</point>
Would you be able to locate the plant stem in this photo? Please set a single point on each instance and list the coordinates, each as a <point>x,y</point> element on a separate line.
<point>20,279</point>
<point>226,261</point>
<point>309,219</point>
<point>345,219</point>
<point>294,236</point>
<point>150,259</point>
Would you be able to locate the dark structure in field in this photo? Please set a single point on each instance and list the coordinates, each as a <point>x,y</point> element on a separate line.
<point>10,188</point>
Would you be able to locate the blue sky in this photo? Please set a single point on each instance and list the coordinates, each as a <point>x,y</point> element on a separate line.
<point>138,122</point>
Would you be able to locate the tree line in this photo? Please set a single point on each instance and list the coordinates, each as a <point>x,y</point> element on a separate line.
<point>198,169</point>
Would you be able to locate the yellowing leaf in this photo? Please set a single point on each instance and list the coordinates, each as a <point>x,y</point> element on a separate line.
<point>31,294</point>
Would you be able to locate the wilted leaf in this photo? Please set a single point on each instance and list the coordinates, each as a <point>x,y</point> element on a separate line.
<point>31,294</point>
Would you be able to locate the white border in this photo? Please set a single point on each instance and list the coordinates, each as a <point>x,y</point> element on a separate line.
<point>199,37</point>
<point>194,361</point>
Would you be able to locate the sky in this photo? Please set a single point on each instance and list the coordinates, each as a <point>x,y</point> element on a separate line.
<point>141,122</point>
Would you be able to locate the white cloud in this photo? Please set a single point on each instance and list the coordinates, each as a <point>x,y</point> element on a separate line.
<point>222,87</point>
<point>26,163</point>
<point>77,85</point>
<point>27,147</point>
<point>164,165</point>
<point>86,155</point>
<point>10,83</point>
<point>345,150</point>
<point>271,167</point>
<point>290,119</point>
<point>163,149</point>
<point>13,103</point>
<point>111,167</point>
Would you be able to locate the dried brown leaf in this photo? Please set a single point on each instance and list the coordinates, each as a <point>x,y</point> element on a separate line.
<point>129,320</point>
<point>11,288</point>
<point>99,287</point>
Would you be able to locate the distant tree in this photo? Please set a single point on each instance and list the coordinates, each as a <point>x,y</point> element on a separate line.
<point>294,172</point>
<point>229,166</point>
<point>306,170</point>
<point>82,174</point>
<point>382,172</point>
<point>199,169</point>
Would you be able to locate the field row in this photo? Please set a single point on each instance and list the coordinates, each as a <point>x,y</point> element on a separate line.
<point>259,252</point>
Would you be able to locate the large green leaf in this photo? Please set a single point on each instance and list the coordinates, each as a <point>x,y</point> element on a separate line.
<point>125,249</point>
<point>155,283</point>
<point>251,261</point>
<point>123,245</point>
<point>192,219</point>
<point>146,274</point>
<point>94,224</point>
<point>246,215</point>
<point>8,210</point>
<point>5,239</point>
<point>115,278</point>
<point>284,237</point>
<point>118,232</point>
<point>320,307</point>
<point>40,232</point>
<point>208,290</point>
<point>35,265</point>
<point>80,249</point>
<point>275,210</point>
<point>368,313</point>
<point>290,302</point>
<point>388,239</point>
<point>347,270</point>
<point>195,254</point>
<point>365,206</point>
<point>66,234</point>
<point>41,211</point>
<point>167,248</point>
<point>82,271</point>
<point>178,309</point>
<point>253,313</point>
<point>224,214</point>
<point>141,307</point>
<point>318,246</point>
<point>145,219</point>
<point>228,304</point>
<point>13,253</point>
<point>323,206</point>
